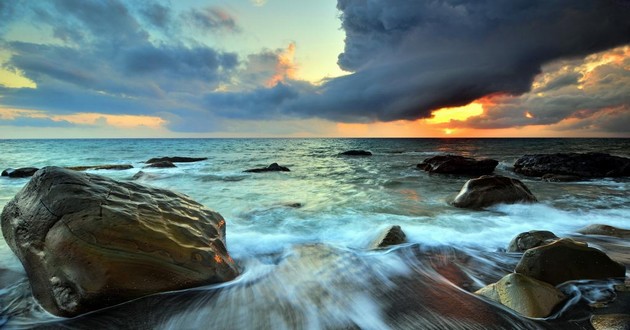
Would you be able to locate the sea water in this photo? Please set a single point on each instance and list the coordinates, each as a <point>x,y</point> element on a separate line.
<point>338,203</point>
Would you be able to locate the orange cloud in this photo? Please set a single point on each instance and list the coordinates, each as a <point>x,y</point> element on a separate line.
<point>285,67</point>
<point>118,121</point>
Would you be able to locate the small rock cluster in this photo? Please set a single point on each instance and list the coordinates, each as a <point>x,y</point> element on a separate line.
<point>548,261</point>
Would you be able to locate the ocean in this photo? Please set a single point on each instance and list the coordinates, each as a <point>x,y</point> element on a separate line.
<point>300,237</point>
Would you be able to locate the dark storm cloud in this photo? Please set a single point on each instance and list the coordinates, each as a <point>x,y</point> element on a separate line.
<point>410,57</point>
<point>407,58</point>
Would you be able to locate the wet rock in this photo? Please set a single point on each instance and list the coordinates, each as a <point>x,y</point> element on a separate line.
<point>163,164</point>
<point>531,239</point>
<point>587,165</point>
<point>492,189</point>
<point>452,164</point>
<point>23,172</point>
<point>101,167</point>
<point>175,159</point>
<point>271,168</point>
<point>356,153</point>
<point>566,260</point>
<point>550,177</point>
<point>605,230</point>
<point>523,294</point>
<point>295,205</point>
<point>611,322</point>
<point>393,235</point>
<point>88,242</point>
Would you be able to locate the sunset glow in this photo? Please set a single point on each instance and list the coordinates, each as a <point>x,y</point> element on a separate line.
<point>218,69</point>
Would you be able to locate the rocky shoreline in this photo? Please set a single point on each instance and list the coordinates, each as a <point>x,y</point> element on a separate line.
<point>95,220</point>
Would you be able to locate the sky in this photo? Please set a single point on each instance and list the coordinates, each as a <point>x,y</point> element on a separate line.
<point>314,68</point>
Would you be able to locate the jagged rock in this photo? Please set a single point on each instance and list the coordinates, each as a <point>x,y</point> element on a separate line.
<point>611,322</point>
<point>605,230</point>
<point>392,235</point>
<point>100,167</point>
<point>492,189</point>
<point>453,164</point>
<point>356,153</point>
<point>88,242</point>
<point>271,168</point>
<point>588,165</point>
<point>163,164</point>
<point>523,294</point>
<point>175,159</point>
<point>566,260</point>
<point>23,172</point>
<point>531,239</point>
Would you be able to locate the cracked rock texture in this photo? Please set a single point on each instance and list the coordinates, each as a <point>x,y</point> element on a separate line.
<point>88,242</point>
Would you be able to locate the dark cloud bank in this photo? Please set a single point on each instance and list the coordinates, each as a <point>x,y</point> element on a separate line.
<point>408,57</point>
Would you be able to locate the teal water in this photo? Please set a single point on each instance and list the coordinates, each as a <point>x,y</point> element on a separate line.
<point>345,200</point>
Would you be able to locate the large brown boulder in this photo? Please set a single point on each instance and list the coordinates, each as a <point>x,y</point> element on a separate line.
<point>566,260</point>
<point>492,189</point>
<point>88,242</point>
<point>587,165</point>
<point>523,294</point>
<point>453,164</point>
<point>531,239</point>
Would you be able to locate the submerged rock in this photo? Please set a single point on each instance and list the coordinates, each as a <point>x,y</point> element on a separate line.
<point>271,168</point>
<point>453,164</point>
<point>605,230</point>
<point>88,242</point>
<point>611,322</point>
<point>531,239</point>
<point>163,164</point>
<point>550,177</point>
<point>566,260</point>
<point>527,296</point>
<point>101,167</point>
<point>392,235</point>
<point>492,189</point>
<point>587,165</point>
<point>23,172</point>
<point>356,153</point>
<point>175,159</point>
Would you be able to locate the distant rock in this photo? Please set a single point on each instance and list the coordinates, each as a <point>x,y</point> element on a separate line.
<point>550,177</point>
<point>356,153</point>
<point>585,165</point>
<point>23,172</point>
<point>100,167</point>
<point>531,239</point>
<point>175,160</point>
<point>295,205</point>
<point>453,164</point>
<point>271,168</point>
<point>88,242</point>
<point>605,230</point>
<point>527,296</point>
<point>162,164</point>
<point>492,189</point>
<point>393,235</point>
<point>566,260</point>
<point>611,322</point>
